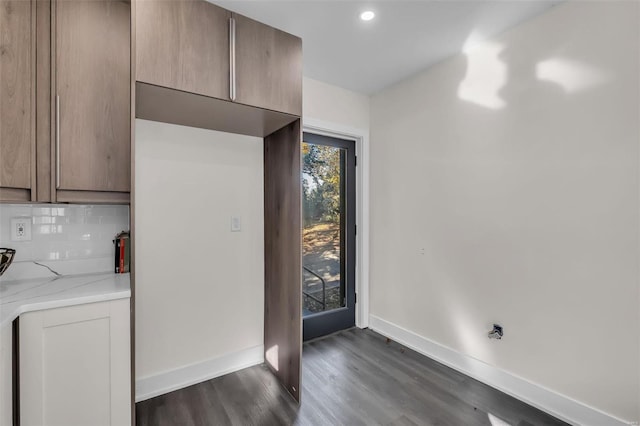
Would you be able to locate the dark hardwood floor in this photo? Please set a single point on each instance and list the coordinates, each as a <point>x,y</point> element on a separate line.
<point>355,377</point>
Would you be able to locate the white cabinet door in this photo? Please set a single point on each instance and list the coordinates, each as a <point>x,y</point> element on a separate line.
<point>75,366</point>
<point>6,388</point>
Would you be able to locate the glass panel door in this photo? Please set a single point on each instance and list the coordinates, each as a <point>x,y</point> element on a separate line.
<point>328,182</point>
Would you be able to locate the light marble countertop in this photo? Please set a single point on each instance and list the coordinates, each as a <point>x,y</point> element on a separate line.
<point>20,296</point>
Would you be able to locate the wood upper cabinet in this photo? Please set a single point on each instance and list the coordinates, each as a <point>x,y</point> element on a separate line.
<point>190,45</point>
<point>268,67</point>
<point>65,118</point>
<point>184,45</point>
<point>17,100</point>
<point>92,103</point>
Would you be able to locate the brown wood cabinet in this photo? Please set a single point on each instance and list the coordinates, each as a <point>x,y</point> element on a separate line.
<point>188,45</point>
<point>65,109</point>
<point>92,86</point>
<point>268,67</point>
<point>183,45</point>
<point>17,100</point>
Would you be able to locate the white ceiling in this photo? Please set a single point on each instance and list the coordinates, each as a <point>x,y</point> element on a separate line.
<point>404,38</point>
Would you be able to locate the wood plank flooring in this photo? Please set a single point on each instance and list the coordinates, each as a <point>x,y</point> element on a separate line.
<point>355,377</point>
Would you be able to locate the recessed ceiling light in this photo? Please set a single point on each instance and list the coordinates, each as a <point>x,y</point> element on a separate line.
<point>367,15</point>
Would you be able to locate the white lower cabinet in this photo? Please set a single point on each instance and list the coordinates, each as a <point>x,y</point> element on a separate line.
<point>75,366</point>
<point>6,368</point>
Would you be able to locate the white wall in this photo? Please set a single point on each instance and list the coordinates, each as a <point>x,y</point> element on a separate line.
<point>334,105</point>
<point>505,188</point>
<point>199,286</point>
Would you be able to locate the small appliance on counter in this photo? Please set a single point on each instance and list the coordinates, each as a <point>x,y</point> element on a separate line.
<point>123,250</point>
<point>6,257</point>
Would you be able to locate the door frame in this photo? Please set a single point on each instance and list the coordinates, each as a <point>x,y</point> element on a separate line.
<point>361,138</point>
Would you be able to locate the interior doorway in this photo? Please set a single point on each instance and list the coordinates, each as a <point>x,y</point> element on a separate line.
<point>329,234</point>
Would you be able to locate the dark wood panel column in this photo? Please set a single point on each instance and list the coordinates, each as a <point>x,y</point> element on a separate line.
<point>283,257</point>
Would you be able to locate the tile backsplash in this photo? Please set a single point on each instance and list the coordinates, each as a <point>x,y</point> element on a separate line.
<point>64,235</point>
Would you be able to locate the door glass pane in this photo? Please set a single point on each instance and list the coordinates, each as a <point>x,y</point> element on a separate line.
<point>323,215</point>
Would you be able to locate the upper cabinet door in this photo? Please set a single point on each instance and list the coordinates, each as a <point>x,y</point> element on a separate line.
<point>92,76</point>
<point>184,45</point>
<point>268,67</point>
<point>17,102</point>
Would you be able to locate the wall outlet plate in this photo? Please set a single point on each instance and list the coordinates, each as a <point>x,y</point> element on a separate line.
<point>21,229</point>
<point>236,224</point>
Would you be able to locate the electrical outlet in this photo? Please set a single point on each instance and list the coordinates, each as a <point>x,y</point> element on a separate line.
<point>21,229</point>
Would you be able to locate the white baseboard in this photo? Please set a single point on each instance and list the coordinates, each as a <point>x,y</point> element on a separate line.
<point>148,387</point>
<point>557,405</point>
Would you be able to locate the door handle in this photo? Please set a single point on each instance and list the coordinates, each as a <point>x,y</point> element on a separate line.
<point>57,141</point>
<point>232,59</point>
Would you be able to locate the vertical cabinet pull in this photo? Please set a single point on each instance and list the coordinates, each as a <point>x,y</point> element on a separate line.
<point>57,141</point>
<point>232,59</point>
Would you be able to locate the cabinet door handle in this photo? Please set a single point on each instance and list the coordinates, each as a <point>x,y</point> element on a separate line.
<point>57,141</point>
<point>232,59</point>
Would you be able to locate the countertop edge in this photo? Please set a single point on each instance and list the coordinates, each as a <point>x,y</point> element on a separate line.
<point>117,288</point>
<point>64,303</point>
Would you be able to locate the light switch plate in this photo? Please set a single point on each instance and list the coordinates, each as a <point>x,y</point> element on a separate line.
<point>21,229</point>
<point>236,225</point>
